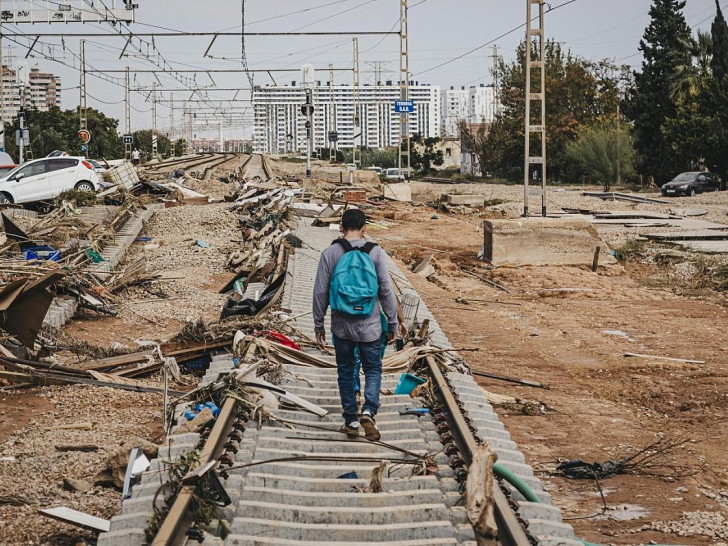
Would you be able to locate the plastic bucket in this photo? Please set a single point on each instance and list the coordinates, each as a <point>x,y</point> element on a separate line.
<point>408,383</point>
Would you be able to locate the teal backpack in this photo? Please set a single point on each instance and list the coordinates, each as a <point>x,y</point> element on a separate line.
<point>354,284</point>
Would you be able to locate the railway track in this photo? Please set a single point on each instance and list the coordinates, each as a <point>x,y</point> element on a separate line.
<point>295,479</point>
<point>208,159</point>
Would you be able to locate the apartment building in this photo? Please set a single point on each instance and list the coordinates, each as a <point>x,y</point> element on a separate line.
<point>280,126</point>
<point>43,93</point>
<point>470,104</point>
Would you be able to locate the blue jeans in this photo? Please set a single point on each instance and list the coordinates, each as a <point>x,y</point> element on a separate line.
<point>371,359</point>
<point>357,359</point>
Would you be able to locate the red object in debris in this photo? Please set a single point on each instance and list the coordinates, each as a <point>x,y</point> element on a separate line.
<point>277,337</point>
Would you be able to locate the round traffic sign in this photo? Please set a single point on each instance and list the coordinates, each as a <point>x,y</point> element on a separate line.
<point>84,136</point>
<point>307,109</point>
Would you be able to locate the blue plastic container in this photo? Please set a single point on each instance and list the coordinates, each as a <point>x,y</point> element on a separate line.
<point>408,383</point>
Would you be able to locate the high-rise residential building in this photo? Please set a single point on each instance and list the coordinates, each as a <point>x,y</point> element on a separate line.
<point>454,110</point>
<point>481,104</point>
<point>43,92</point>
<point>472,105</point>
<point>280,127</point>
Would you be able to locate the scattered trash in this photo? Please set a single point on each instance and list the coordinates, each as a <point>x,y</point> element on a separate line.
<point>202,244</point>
<point>138,463</point>
<point>44,252</point>
<point>348,476</point>
<point>414,411</point>
<point>193,413</point>
<point>433,217</point>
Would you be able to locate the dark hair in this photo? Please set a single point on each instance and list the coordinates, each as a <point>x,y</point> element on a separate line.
<point>353,220</point>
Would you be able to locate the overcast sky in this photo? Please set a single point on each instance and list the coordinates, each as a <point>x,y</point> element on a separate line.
<point>440,31</point>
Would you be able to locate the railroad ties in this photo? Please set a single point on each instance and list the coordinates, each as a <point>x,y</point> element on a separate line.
<point>302,482</point>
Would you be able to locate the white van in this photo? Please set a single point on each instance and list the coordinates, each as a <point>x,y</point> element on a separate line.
<point>394,174</point>
<point>44,179</point>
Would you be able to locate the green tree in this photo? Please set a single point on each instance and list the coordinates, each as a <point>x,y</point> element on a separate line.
<point>698,132</point>
<point>57,129</point>
<point>423,155</point>
<point>649,102</point>
<point>579,94</point>
<point>595,154</point>
<point>689,79</point>
<point>143,141</point>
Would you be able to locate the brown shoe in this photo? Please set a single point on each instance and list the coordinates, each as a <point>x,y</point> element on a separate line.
<point>350,429</point>
<point>370,427</point>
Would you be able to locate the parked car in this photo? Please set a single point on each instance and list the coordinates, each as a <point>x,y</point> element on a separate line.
<point>98,167</point>
<point>691,183</point>
<point>377,170</point>
<point>394,174</point>
<point>6,164</point>
<point>44,179</point>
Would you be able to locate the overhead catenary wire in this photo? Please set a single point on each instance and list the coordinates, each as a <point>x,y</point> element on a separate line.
<point>489,42</point>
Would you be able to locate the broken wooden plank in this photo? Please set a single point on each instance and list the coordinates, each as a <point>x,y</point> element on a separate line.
<point>670,359</point>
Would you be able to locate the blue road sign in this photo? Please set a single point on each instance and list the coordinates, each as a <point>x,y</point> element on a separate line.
<point>401,106</point>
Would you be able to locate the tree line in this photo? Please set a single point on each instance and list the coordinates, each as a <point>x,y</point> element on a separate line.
<point>57,129</point>
<point>605,122</point>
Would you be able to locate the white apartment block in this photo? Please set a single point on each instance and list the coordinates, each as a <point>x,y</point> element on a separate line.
<point>454,110</point>
<point>43,93</point>
<point>280,127</point>
<point>473,105</point>
<point>481,105</point>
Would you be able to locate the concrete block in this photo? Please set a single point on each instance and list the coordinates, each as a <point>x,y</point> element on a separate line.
<point>543,241</point>
<point>470,200</point>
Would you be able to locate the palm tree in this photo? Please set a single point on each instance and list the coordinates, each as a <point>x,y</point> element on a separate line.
<point>687,79</point>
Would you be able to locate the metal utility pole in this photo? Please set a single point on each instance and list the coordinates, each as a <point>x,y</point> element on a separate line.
<point>83,120</point>
<point>404,145</point>
<point>332,117</point>
<point>619,146</point>
<point>21,73</point>
<point>155,136</point>
<point>496,101</point>
<point>222,141</point>
<point>127,116</point>
<point>2,92</point>
<point>357,107</point>
<point>539,98</point>
<point>172,136</point>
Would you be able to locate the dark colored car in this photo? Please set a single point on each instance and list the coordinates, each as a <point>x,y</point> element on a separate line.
<point>691,183</point>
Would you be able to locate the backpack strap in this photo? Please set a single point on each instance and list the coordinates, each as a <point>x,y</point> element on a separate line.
<point>344,243</point>
<point>368,247</point>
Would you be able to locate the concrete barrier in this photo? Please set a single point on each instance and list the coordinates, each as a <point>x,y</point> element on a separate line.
<point>543,241</point>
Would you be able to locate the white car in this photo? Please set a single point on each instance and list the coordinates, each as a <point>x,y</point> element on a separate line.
<point>394,174</point>
<point>44,179</point>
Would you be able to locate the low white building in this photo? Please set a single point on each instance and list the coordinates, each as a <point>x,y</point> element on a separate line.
<point>280,126</point>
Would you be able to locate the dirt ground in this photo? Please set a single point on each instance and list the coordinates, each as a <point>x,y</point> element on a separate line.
<point>568,328</point>
<point>565,327</point>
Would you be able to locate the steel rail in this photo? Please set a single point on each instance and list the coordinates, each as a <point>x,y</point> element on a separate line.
<point>173,162</point>
<point>174,528</point>
<point>510,530</point>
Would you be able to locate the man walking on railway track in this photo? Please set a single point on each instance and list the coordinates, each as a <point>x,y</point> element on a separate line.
<point>353,280</point>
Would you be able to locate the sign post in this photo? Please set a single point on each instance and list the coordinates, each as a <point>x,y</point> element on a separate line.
<point>23,77</point>
<point>307,80</point>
